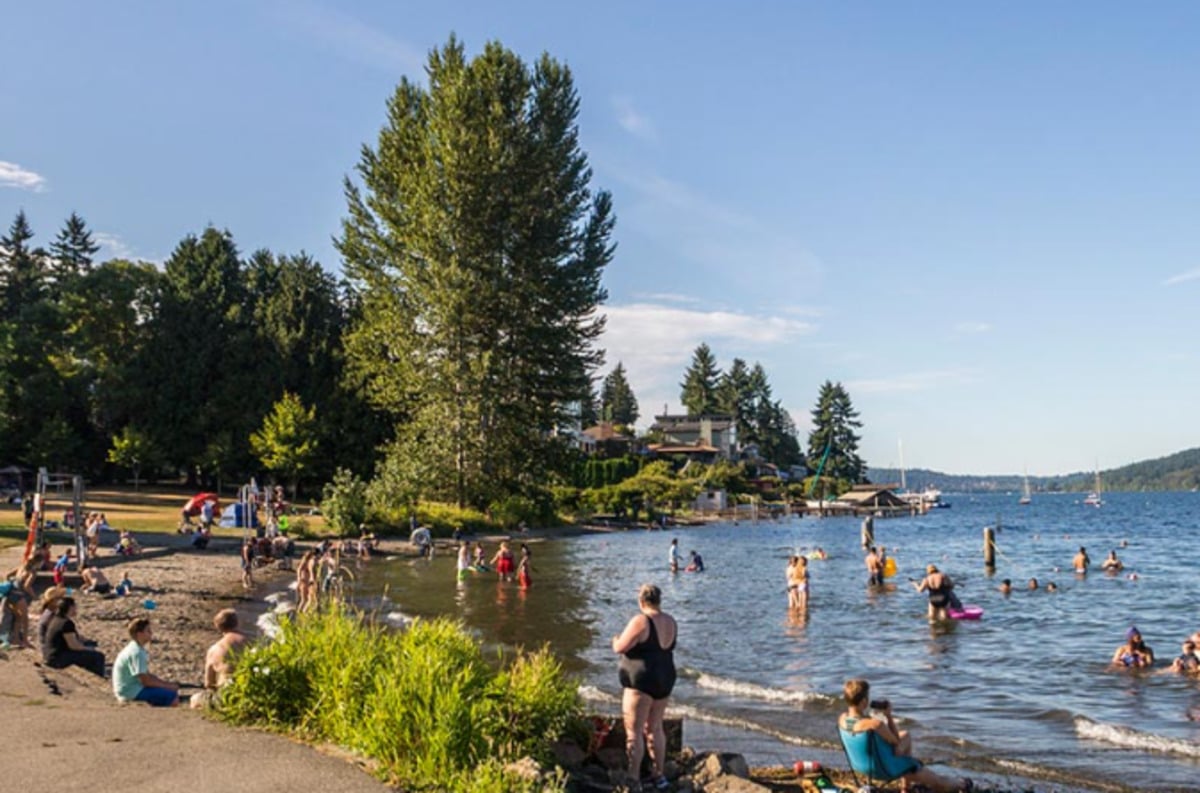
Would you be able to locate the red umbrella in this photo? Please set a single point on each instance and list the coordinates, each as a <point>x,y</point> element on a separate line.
<point>196,502</point>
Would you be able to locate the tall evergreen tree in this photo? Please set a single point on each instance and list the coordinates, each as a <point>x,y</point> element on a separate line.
<point>72,251</point>
<point>198,371</point>
<point>22,268</point>
<point>476,246</point>
<point>699,384</point>
<point>736,399</point>
<point>834,423</point>
<point>589,408</point>
<point>618,404</point>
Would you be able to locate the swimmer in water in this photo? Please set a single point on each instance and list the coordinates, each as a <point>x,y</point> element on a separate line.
<point>1134,653</point>
<point>1033,584</point>
<point>1081,561</point>
<point>1112,564</point>
<point>1052,587</point>
<point>1006,587</point>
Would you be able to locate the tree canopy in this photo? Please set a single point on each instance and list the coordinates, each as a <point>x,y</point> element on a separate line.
<point>699,395</point>
<point>617,402</point>
<point>475,246</point>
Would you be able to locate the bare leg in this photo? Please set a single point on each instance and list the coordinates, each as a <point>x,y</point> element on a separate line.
<point>635,708</point>
<point>656,736</point>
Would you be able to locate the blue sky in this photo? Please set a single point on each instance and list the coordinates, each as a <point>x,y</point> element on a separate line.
<point>980,218</point>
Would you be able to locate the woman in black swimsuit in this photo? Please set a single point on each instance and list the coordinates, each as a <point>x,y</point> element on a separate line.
<point>938,585</point>
<point>647,672</point>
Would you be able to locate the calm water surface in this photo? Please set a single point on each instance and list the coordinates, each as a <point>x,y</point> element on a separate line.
<point>1025,692</point>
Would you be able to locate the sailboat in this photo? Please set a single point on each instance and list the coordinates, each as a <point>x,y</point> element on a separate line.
<point>1094,498</point>
<point>1026,493</point>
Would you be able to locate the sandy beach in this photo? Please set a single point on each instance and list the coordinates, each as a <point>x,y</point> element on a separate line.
<point>65,728</point>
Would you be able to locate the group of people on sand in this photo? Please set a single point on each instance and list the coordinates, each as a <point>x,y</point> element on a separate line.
<point>63,646</point>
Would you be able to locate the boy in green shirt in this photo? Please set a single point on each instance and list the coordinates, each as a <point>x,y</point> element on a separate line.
<point>132,680</point>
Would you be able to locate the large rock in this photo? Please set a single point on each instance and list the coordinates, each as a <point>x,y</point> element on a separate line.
<point>713,765</point>
<point>733,784</point>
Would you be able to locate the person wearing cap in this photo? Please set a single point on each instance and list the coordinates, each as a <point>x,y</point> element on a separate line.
<point>1134,653</point>
<point>938,585</point>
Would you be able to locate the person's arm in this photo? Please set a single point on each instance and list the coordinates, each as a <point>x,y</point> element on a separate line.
<point>152,680</point>
<point>1118,654</point>
<point>921,587</point>
<point>886,727</point>
<point>636,631</point>
<point>73,641</point>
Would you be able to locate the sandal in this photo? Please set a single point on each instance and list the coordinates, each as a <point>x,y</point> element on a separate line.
<point>656,783</point>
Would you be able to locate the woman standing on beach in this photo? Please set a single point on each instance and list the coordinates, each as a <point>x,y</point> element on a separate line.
<point>647,674</point>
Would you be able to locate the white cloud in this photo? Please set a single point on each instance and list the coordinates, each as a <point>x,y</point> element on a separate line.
<point>351,38</point>
<point>912,381</point>
<point>13,175</point>
<point>655,343</point>
<point>632,121</point>
<point>666,297</point>
<point>1190,275</point>
<point>972,327</point>
<point>112,246</point>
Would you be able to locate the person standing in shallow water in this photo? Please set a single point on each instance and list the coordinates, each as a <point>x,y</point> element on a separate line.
<point>673,556</point>
<point>525,568</point>
<point>647,673</point>
<point>1081,561</point>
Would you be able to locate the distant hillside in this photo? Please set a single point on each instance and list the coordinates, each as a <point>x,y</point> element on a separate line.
<point>1179,471</point>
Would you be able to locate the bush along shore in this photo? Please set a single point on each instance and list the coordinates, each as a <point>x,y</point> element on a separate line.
<point>424,707</point>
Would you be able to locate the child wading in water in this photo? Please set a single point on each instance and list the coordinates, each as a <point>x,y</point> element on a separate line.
<point>503,562</point>
<point>524,568</point>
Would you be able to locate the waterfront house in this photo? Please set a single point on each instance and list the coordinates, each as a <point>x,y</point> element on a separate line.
<point>698,436</point>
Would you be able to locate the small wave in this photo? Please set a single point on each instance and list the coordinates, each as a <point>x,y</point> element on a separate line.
<point>1133,739</point>
<point>699,714</point>
<point>752,690</point>
<point>593,694</point>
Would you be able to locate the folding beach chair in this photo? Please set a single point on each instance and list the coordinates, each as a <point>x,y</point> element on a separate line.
<point>873,758</point>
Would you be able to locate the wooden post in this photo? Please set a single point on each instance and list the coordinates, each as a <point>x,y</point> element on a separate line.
<point>868,531</point>
<point>989,547</point>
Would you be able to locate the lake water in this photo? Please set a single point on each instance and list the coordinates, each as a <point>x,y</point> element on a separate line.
<point>1024,693</point>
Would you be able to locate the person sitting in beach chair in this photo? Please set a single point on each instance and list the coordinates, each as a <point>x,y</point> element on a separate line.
<point>878,751</point>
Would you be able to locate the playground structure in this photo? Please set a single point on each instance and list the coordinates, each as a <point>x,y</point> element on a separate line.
<point>72,518</point>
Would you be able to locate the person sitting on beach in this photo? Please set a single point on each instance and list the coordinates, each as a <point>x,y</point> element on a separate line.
<point>938,585</point>
<point>94,580</point>
<point>63,646</point>
<point>1186,663</point>
<point>46,609</point>
<point>1134,653</point>
<point>131,676</point>
<point>895,746</point>
<point>1112,564</point>
<point>1081,561</point>
<point>128,546</point>
<point>218,666</point>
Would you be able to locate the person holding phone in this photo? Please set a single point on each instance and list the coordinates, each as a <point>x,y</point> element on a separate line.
<point>864,714</point>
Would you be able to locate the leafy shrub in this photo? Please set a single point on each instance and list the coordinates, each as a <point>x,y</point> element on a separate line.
<point>443,519</point>
<point>425,704</point>
<point>344,502</point>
